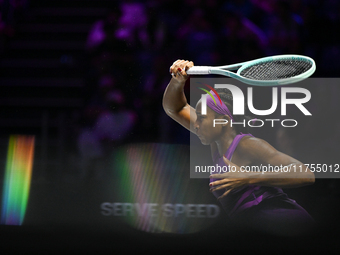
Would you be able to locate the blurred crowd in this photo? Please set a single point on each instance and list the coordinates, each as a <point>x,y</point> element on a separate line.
<point>128,54</point>
<point>130,50</point>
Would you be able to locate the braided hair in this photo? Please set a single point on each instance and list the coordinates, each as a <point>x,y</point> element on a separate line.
<point>227,98</point>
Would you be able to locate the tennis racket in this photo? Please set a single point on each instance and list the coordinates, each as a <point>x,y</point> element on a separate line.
<point>268,71</point>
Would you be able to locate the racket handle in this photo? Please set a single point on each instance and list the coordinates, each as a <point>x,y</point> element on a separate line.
<point>199,70</point>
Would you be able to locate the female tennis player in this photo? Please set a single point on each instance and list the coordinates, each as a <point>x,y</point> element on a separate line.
<point>252,200</point>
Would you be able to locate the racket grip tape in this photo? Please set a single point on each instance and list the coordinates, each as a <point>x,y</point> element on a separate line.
<point>199,70</point>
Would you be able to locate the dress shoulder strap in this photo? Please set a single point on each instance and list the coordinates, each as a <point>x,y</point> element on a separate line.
<point>234,144</point>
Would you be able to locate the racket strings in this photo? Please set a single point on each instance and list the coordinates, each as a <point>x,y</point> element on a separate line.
<point>275,70</point>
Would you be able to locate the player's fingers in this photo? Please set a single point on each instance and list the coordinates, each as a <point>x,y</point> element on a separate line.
<point>222,181</point>
<point>181,63</point>
<point>188,65</point>
<point>180,67</point>
<point>224,194</point>
<point>182,72</point>
<point>177,64</point>
<point>224,186</point>
<point>213,189</point>
<point>184,64</point>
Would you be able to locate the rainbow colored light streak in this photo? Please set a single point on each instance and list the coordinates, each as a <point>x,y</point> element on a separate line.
<point>17,179</point>
<point>159,174</point>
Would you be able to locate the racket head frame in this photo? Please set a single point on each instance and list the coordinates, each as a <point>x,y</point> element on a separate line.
<point>224,70</point>
<point>294,79</point>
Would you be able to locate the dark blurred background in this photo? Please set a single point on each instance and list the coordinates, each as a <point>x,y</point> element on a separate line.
<point>86,77</point>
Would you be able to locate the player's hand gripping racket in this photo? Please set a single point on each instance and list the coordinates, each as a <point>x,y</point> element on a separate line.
<point>268,71</point>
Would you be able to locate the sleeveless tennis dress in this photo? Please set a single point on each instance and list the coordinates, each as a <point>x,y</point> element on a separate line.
<point>263,208</point>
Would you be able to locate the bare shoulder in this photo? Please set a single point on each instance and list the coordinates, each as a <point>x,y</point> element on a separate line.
<point>255,148</point>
